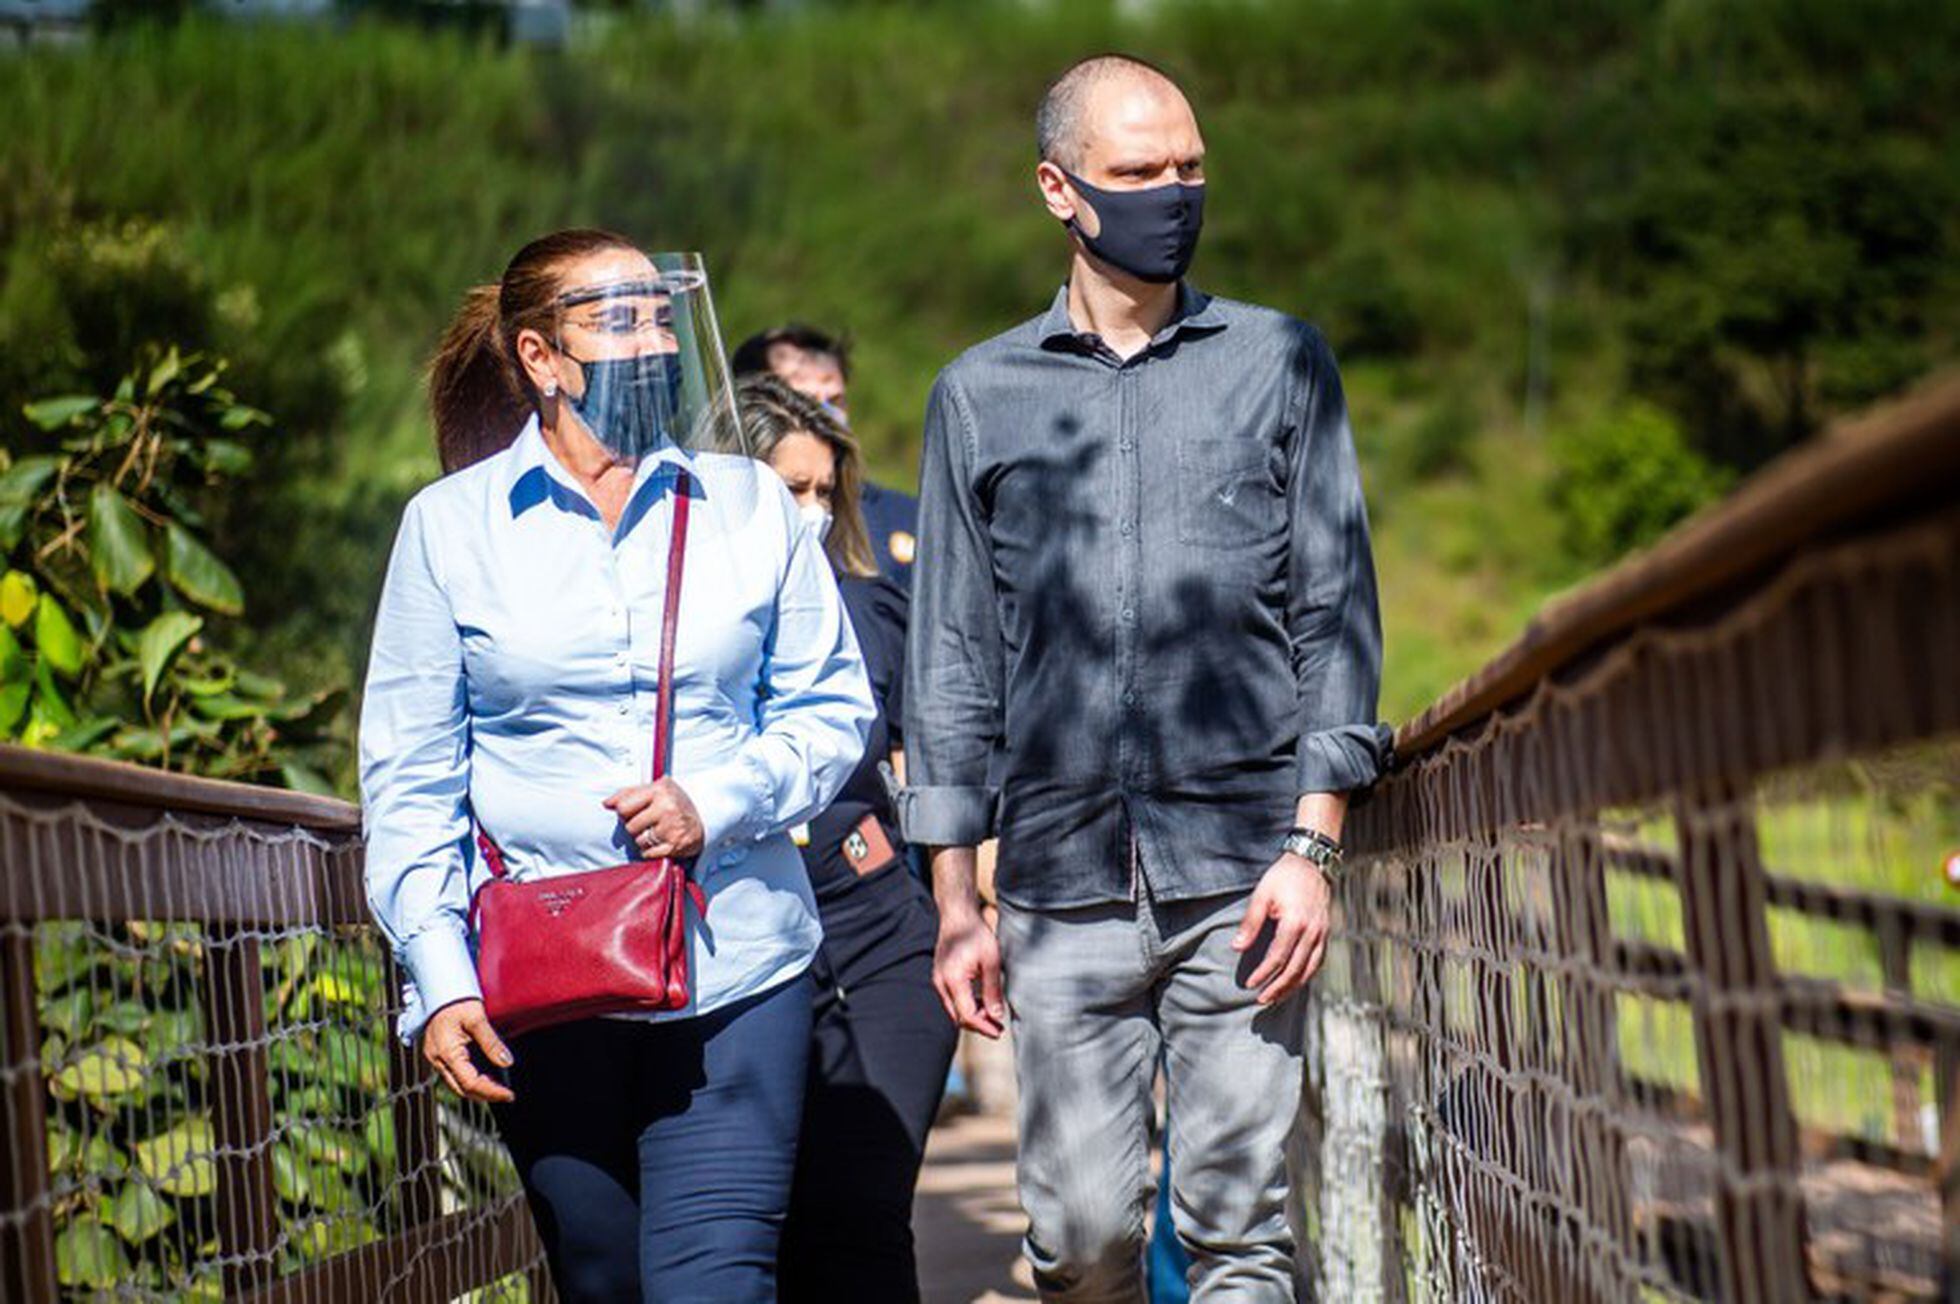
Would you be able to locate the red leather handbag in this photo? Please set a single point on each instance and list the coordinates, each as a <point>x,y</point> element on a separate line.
<point>605,941</point>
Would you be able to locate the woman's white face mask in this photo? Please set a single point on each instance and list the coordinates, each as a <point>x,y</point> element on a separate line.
<point>817,517</point>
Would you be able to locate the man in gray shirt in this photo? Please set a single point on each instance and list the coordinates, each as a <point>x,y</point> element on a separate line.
<point>1144,651</point>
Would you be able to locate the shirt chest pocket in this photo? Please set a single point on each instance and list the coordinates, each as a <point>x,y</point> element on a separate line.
<point>1225,497</point>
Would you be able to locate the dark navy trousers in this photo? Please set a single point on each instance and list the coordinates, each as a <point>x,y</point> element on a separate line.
<point>880,1048</point>
<point>658,1157</point>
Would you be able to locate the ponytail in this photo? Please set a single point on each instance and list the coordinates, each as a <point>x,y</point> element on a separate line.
<point>477,400</point>
<point>478,395</point>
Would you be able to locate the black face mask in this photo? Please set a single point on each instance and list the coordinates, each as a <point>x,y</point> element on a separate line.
<point>1151,234</point>
<point>631,405</point>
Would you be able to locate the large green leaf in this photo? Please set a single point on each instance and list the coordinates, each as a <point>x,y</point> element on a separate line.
<point>198,574</point>
<point>238,416</point>
<point>64,1145</point>
<point>64,953</point>
<point>379,1133</point>
<point>50,703</point>
<point>101,1158</point>
<point>161,640</point>
<point>208,685</point>
<point>18,594</point>
<point>139,1213</point>
<point>174,1031</point>
<point>304,778</point>
<point>85,734</point>
<point>226,457</point>
<point>353,1060</point>
<point>21,481</point>
<point>113,1067</point>
<point>165,371</point>
<point>292,1176</point>
<point>54,413</point>
<point>119,546</point>
<point>56,638</point>
<point>331,1146</point>
<point>226,706</point>
<point>68,1012</point>
<point>179,1161</point>
<point>15,681</point>
<point>13,524</point>
<point>88,1255</point>
<point>328,1235</point>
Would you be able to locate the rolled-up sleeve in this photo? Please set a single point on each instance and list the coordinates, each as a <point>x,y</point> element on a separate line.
<point>954,665</point>
<point>815,709</point>
<point>414,762</point>
<point>1333,616</point>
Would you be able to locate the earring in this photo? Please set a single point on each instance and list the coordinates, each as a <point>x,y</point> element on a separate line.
<point>551,389</point>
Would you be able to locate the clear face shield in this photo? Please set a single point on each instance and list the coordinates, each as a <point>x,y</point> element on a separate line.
<point>640,330</point>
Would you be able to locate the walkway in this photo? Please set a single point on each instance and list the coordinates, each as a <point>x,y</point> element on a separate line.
<point>967,1219</point>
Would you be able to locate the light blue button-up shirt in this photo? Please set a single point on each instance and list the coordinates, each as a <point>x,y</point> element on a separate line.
<point>513,675</point>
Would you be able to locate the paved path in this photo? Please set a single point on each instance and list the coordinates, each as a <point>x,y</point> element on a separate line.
<point>967,1218</point>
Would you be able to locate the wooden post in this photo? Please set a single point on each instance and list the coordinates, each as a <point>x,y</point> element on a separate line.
<point>27,1269</point>
<point>1946,1168</point>
<point>1895,958</point>
<point>1739,1044</point>
<point>247,1200</point>
<point>1590,1059</point>
<point>537,1282</point>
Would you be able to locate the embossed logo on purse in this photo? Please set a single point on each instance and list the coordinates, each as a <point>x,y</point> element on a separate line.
<point>557,901</point>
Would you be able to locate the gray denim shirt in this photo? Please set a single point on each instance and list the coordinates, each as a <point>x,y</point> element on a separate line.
<point>1144,617</point>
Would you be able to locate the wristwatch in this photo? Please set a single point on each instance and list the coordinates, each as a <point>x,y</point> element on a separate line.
<point>1315,846</point>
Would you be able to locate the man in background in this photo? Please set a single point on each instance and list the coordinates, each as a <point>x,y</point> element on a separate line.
<point>817,364</point>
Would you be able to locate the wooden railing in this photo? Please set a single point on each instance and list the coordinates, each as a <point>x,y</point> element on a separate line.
<point>241,871</point>
<point>1653,904</point>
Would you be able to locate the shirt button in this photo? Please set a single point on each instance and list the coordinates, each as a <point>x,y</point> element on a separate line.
<point>1126,445</point>
<point>624,708</point>
<point>1128,529</point>
<point>1129,613</point>
<point>1129,699</point>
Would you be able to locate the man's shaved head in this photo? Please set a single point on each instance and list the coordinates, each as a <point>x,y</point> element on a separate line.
<point>1060,130</point>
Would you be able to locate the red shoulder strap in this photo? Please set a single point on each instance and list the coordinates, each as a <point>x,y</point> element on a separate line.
<point>663,704</point>
<point>663,722</point>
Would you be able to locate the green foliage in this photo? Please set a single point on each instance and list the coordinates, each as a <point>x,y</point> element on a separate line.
<point>1622,480</point>
<point>103,646</point>
<point>132,1141</point>
<point>1515,212</point>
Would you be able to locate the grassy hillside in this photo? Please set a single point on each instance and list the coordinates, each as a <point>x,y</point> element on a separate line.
<point>1581,268</point>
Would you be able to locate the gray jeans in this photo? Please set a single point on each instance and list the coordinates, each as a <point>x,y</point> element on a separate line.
<point>1094,994</point>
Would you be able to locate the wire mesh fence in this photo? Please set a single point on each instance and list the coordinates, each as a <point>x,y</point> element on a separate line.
<point>203,1096</point>
<point>1647,985</point>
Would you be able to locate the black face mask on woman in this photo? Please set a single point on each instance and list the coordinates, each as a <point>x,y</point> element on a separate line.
<point>1150,234</point>
<point>631,405</point>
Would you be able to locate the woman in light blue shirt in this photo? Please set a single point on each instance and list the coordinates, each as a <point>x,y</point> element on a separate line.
<point>512,682</point>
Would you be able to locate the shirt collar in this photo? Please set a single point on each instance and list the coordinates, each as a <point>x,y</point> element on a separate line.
<point>1195,311</point>
<point>536,475</point>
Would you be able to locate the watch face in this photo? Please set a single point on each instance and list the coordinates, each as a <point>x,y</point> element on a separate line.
<point>1311,848</point>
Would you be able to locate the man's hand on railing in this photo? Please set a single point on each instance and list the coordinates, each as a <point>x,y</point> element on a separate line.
<point>446,1042</point>
<point>1293,895</point>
